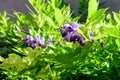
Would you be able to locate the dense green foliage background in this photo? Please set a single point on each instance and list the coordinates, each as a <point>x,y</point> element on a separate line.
<point>60,60</point>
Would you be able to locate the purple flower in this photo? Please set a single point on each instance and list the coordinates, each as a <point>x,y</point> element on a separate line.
<point>27,37</point>
<point>71,37</point>
<point>65,26</point>
<point>70,33</point>
<point>68,37</point>
<point>76,35</point>
<point>75,25</point>
<point>33,45</point>
<point>35,40</point>
<point>68,28</point>
<point>41,43</point>
<point>72,27</point>
<point>31,39</point>
<point>63,32</point>
<point>81,41</point>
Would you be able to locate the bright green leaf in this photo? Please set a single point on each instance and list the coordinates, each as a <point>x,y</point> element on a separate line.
<point>59,16</point>
<point>117,17</point>
<point>118,42</point>
<point>92,9</point>
<point>99,15</point>
<point>113,32</point>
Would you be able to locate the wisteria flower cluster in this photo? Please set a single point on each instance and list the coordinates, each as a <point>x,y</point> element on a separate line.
<point>34,42</point>
<point>71,34</point>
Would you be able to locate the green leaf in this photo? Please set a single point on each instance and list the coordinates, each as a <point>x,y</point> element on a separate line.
<point>44,73</point>
<point>11,61</point>
<point>99,15</point>
<point>100,36</point>
<point>76,18</point>
<point>113,32</point>
<point>108,16</point>
<point>59,16</point>
<point>19,33</point>
<point>117,17</point>
<point>50,21</point>
<point>64,59</point>
<point>92,9</point>
<point>118,42</point>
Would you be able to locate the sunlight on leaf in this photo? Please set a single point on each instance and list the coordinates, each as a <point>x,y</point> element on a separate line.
<point>92,9</point>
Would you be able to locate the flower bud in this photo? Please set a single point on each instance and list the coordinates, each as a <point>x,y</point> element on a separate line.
<point>102,44</point>
<point>91,35</point>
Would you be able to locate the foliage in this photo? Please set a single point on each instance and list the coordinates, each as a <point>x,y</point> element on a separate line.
<point>51,44</point>
<point>83,8</point>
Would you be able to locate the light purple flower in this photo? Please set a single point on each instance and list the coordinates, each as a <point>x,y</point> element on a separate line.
<point>68,27</point>
<point>27,37</point>
<point>31,39</point>
<point>75,26</point>
<point>41,42</point>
